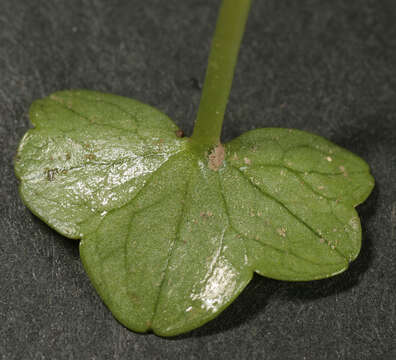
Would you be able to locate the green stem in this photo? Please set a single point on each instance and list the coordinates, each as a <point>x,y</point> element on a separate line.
<point>220,72</point>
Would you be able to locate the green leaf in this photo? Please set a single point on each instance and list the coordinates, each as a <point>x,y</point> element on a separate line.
<point>171,234</point>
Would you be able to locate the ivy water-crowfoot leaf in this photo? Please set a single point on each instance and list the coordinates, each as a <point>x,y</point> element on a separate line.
<point>172,229</point>
<point>170,235</point>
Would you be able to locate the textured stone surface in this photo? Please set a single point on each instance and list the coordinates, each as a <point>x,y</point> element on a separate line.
<point>326,67</point>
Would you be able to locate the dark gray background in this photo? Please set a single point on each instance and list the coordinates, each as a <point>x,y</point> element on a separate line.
<point>328,67</point>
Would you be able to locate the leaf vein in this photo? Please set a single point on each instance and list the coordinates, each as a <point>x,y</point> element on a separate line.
<point>97,124</point>
<point>287,209</point>
<point>260,242</point>
<point>227,212</point>
<point>171,251</point>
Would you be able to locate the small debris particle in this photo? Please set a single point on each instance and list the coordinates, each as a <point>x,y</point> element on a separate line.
<point>206,214</point>
<point>281,232</point>
<point>283,172</point>
<point>56,98</point>
<point>254,148</point>
<point>335,230</point>
<point>355,223</point>
<point>51,173</point>
<point>90,157</point>
<point>332,246</point>
<point>321,187</point>
<point>235,157</point>
<point>282,106</point>
<point>179,133</point>
<point>329,159</point>
<point>216,157</point>
<point>247,161</point>
<point>51,158</point>
<point>321,240</point>
<point>344,172</point>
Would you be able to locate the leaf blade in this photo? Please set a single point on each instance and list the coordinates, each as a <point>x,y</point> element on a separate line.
<point>94,166</point>
<point>168,239</point>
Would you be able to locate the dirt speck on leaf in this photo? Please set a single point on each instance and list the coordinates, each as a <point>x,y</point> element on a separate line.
<point>206,214</point>
<point>216,157</point>
<point>135,298</point>
<point>56,98</point>
<point>90,157</point>
<point>281,232</point>
<point>51,173</point>
<point>179,133</point>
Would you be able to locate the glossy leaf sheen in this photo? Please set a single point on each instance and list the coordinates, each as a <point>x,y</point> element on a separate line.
<point>168,239</point>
